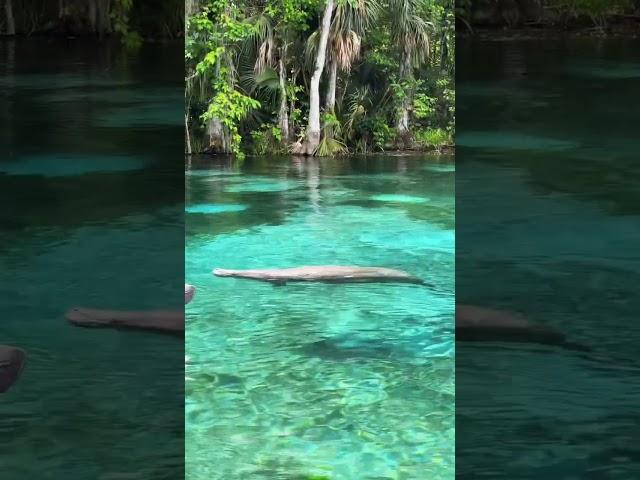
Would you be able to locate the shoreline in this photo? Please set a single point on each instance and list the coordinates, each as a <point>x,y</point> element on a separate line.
<point>502,33</point>
<point>447,151</point>
<point>111,38</point>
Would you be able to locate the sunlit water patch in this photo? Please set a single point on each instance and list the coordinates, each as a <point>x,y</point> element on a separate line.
<point>147,115</point>
<point>57,165</point>
<point>441,168</point>
<point>261,186</point>
<point>125,96</point>
<point>397,198</point>
<point>53,81</point>
<point>512,141</point>
<point>326,380</point>
<point>213,208</point>
<point>607,71</point>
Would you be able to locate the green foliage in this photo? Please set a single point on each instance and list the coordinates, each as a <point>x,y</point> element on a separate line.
<point>132,21</point>
<point>267,140</point>
<point>230,107</point>
<point>295,14</point>
<point>330,143</point>
<point>598,11</point>
<point>120,18</point>
<point>246,70</point>
<point>433,138</point>
<point>423,106</point>
<point>591,7</point>
<point>381,133</point>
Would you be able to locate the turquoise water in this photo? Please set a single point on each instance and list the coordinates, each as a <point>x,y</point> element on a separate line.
<point>52,165</point>
<point>90,216</point>
<point>548,225</point>
<point>336,381</point>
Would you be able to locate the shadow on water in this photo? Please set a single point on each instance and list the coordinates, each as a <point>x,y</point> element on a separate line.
<point>547,226</point>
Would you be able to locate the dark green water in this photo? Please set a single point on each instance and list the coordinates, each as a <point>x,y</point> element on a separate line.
<point>91,211</point>
<point>335,381</point>
<point>547,214</point>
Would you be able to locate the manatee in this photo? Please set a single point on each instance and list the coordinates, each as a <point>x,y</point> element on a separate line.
<point>189,292</point>
<point>12,362</point>
<point>326,274</point>
<point>478,324</point>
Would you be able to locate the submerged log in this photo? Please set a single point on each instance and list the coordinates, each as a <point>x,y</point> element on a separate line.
<point>326,274</point>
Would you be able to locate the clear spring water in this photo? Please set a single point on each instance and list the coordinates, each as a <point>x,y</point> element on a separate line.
<point>547,223</point>
<point>81,205</point>
<point>320,381</point>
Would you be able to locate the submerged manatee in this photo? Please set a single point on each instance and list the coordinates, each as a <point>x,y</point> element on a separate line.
<point>328,349</point>
<point>478,324</point>
<point>325,273</point>
<point>12,362</point>
<point>189,292</point>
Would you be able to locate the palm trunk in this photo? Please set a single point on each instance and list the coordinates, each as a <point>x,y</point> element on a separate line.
<point>187,133</point>
<point>60,8</point>
<point>11,23</point>
<point>283,116</point>
<point>292,106</point>
<point>93,16</point>
<point>331,91</point>
<point>313,127</point>
<point>402,125</point>
<point>444,39</point>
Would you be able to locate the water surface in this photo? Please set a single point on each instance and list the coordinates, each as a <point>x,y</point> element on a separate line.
<point>315,380</point>
<point>548,224</point>
<point>91,215</point>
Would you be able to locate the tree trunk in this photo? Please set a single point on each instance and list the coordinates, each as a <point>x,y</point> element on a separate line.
<point>11,23</point>
<point>60,8</point>
<point>331,91</point>
<point>104,22</point>
<point>292,106</point>
<point>217,137</point>
<point>187,133</point>
<point>283,116</point>
<point>93,16</point>
<point>313,127</point>
<point>444,46</point>
<point>402,125</point>
<point>190,7</point>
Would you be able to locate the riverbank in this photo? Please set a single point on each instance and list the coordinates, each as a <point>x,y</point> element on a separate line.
<point>442,150</point>
<point>625,26</point>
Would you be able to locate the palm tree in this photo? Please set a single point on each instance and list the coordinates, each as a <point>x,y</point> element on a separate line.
<point>350,21</point>
<point>312,138</point>
<point>271,43</point>
<point>410,32</point>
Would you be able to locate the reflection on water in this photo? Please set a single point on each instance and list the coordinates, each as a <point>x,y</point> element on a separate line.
<point>547,224</point>
<point>90,216</point>
<point>320,381</point>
